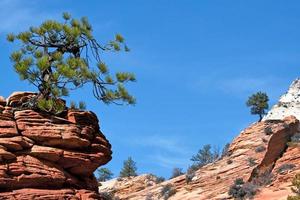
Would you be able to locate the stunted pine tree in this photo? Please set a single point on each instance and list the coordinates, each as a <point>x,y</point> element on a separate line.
<point>129,168</point>
<point>205,156</point>
<point>57,57</point>
<point>258,104</point>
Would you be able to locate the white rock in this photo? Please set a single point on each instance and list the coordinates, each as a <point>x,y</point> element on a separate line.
<point>289,104</point>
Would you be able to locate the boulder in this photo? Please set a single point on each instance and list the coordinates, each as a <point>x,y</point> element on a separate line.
<point>48,157</point>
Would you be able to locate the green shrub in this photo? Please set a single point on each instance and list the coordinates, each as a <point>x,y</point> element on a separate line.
<point>167,191</point>
<point>260,149</point>
<point>241,190</point>
<point>285,167</point>
<point>268,130</point>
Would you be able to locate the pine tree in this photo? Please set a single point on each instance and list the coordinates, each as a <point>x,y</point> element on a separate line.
<point>258,103</point>
<point>104,174</point>
<point>57,57</point>
<point>204,156</point>
<point>129,168</point>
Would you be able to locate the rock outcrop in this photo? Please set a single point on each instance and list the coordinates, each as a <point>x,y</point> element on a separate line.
<point>288,104</point>
<point>266,154</point>
<point>48,157</point>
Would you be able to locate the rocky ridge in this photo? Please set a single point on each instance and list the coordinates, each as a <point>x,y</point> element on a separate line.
<point>48,157</point>
<point>267,154</point>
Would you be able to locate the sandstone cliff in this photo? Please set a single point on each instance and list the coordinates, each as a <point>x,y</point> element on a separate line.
<point>267,154</point>
<point>47,157</point>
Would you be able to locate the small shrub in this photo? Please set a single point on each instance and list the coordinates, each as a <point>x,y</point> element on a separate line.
<point>295,188</point>
<point>229,161</point>
<point>260,149</point>
<point>218,177</point>
<point>159,179</point>
<point>285,167</point>
<point>108,196</point>
<point>268,130</point>
<point>176,172</point>
<point>225,151</point>
<point>241,190</point>
<point>190,174</point>
<point>119,179</point>
<point>149,197</point>
<point>167,191</point>
<point>82,105</point>
<point>295,140</point>
<point>264,140</point>
<point>251,162</point>
<point>264,178</point>
<point>295,137</point>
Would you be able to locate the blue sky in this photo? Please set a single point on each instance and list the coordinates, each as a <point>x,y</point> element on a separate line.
<point>196,63</point>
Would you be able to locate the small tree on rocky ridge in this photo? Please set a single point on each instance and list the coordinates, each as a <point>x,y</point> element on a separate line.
<point>258,104</point>
<point>205,156</point>
<point>57,57</point>
<point>129,168</point>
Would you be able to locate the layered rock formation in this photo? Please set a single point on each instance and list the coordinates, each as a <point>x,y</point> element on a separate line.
<point>266,154</point>
<point>47,157</point>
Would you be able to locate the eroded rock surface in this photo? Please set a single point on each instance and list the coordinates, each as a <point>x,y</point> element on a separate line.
<point>47,157</point>
<point>265,143</point>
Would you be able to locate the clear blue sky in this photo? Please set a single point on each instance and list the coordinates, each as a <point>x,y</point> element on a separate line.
<point>196,63</point>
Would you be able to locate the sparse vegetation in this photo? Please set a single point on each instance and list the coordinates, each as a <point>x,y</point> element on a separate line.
<point>260,149</point>
<point>229,161</point>
<point>129,168</point>
<point>108,196</point>
<point>159,179</point>
<point>241,190</point>
<point>264,178</point>
<point>176,172</point>
<point>251,161</point>
<point>285,167</point>
<point>167,191</point>
<point>190,174</point>
<point>258,104</point>
<point>295,188</point>
<point>149,197</point>
<point>268,130</point>
<point>205,156</point>
<point>295,140</point>
<point>225,151</point>
<point>104,174</point>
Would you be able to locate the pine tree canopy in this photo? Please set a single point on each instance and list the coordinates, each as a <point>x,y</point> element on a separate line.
<point>129,168</point>
<point>104,174</point>
<point>258,103</point>
<point>57,57</point>
<point>204,156</point>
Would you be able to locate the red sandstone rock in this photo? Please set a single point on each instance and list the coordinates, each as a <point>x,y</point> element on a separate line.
<point>17,98</point>
<point>53,156</point>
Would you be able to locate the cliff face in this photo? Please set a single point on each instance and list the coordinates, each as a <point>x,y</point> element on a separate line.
<point>48,157</point>
<point>262,155</point>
